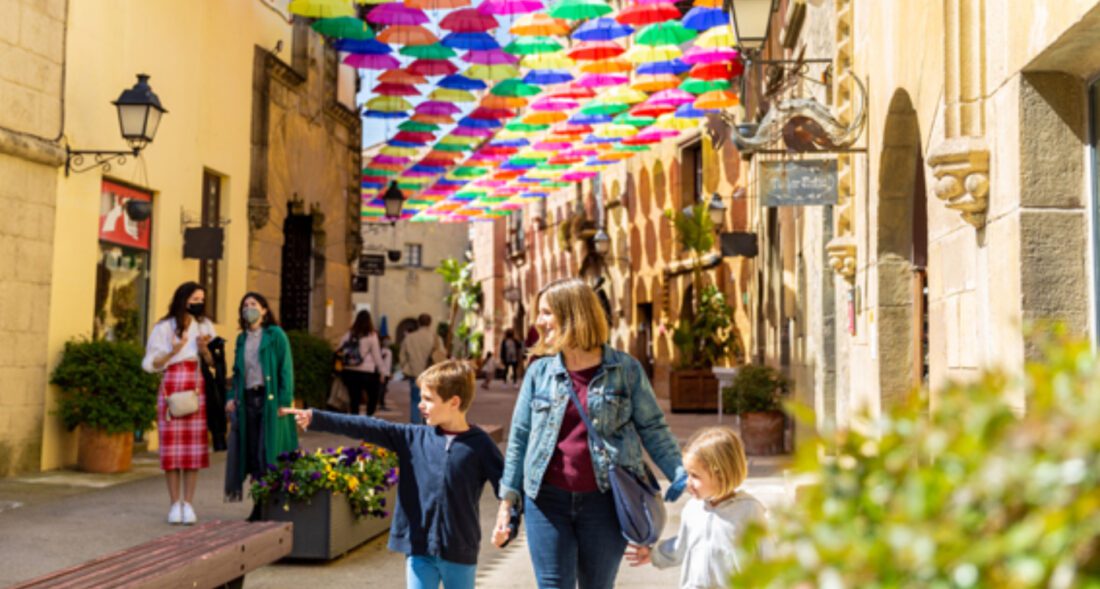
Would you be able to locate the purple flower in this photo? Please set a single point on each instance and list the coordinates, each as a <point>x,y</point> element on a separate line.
<point>315,476</point>
<point>382,502</point>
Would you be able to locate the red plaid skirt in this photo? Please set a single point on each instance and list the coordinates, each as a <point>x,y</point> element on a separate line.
<point>183,441</point>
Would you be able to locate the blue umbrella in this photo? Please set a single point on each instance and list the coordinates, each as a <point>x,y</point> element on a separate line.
<point>602,29</point>
<point>687,111</point>
<point>377,114</point>
<point>429,169</point>
<point>516,166</point>
<point>446,182</point>
<point>674,67</point>
<point>592,139</point>
<point>479,123</point>
<point>364,46</point>
<point>702,18</point>
<point>545,77</point>
<point>534,194</point>
<point>583,119</point>
<point>521,142</point>
<point>460,82</point>
<point>403,143</point>
<point>471,41</point>
<point>383,328</point>
<point>373,184</point>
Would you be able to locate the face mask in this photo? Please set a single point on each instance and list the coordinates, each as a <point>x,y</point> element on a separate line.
<point>196,309</point>
<point>251,315</point>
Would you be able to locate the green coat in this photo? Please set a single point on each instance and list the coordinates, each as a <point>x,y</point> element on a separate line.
<point>278,368</point>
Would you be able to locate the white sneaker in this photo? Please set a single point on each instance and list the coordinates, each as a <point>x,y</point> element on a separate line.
<point>188,514</point>
<point>175,513</point>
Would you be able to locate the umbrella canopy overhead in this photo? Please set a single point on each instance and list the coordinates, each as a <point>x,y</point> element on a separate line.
<point>489,57</point>
<point>602,29</point>
<point>539,23</point>
<point>321,8</point>
<point>468,20</point>
<point>579,9</point>
<point>343,27</point>
<point>407,35</point>
<point>665,33</point>
<point>401,77</point>
<point>509,6</point>
<point>436,4</point>
<point>646,14</point>
<point>395,13</point>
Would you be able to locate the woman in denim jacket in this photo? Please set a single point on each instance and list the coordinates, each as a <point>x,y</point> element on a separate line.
<point>572,530</point>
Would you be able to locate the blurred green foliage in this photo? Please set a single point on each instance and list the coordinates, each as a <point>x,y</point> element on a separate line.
<point>975,492</point>
<point>103,386</point>
<point>755,388</point>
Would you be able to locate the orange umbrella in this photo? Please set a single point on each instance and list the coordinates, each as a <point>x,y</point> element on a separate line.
<point>436,4</point>
<point>539,23</point>
<point>716,99</point>
<point>545,117</point>
<point>494,101</point>
<point>655,83</point>
<point>402,77</point>
<point>437,119</point>
<point>608,66</point>
<point>708,3</point>
<point>407,35</point>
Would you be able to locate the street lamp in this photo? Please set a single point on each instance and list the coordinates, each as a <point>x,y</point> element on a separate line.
<point>394,200</point>
<point>139,112</point>
<point>601,242</point>
<point>717,210</point>
<point>751,21</point>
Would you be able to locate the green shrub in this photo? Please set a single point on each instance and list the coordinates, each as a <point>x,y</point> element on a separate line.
<point>312,367</point>
<point>103,386</point>
<point>969,494</point>
<point>755,387</point>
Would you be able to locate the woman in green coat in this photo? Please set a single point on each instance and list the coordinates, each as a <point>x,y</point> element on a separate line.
<point>263,381</point>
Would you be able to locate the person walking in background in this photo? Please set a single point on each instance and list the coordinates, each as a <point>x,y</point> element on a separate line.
<point>263,381</point>
<point>419,350</point>
<point>176,344</point>
<point>714,519</point>
<point>510,354</point>
<point>572,530</point>
<point>386,373</point>
<point>444,466</point>
<point>361,353</point>
<point>489,368</point>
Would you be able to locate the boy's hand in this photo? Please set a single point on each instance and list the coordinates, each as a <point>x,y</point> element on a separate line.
<point>301,416</point>
<point>500,531</point>
<point>637,555</point>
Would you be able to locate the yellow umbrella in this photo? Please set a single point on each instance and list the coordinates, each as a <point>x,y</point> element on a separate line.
<point>506,134</point>
<point>451,95</point>
<point>621,94</point>
<point>556,60</point>
<point>459,140</point>
<point>607,66</point>
<point>615,131</point>
<point>539,23</point>
<point>650,54</point>
<point>494,101</point>
<point>321,8</point>
<point>399,151</point>
<point>545,174</point>
<point>671,121</point>
<point>708,3</point>
<point>617,155</point>
<point>655,83</point>
<point>388,104</point>
<point>544,117</point>
<point>492,72</point>
<point>716,38</point>
<point>716,99</point>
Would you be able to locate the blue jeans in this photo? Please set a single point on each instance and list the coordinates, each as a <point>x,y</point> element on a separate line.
<point>574,537</point>
<point>427,572</point>
<point>414,400</point>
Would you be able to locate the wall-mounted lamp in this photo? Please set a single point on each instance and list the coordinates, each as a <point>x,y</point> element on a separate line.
<point>717,210</point>
<point>139,112</point>
<point>751,21</point>
<point>601,242</point>
<point>394,201</point>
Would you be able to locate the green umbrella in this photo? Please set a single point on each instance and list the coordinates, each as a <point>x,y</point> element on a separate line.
<point>433,51</point>
<point>524,161</point>
<point>372,214</point>
<point>344,27</point>
<point>579,9</point>
<point>492,200</point>
<point>533,46</point>
<point>548,166</point>
<point>412,186</point>
<point>556,184</point>
<point>634,120</point>
<point>604,108</point>
<point>451,147</point>
<point>515,87</point>
<point>470,193</point>
<point>468,172</point>
<point>419,201</point>
<point>416,126</point>
<point>632,148</point>
<point>703,86</point>
<point>664,33</point>
<point>525,127</point>
<point>378,172</point>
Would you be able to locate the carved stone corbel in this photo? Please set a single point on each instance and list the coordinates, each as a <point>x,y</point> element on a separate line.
<point>842,256</point>
<point>259,212</point>
<point>961,168</point>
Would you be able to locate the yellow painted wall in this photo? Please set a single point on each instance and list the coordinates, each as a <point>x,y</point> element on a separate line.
<point>200,58</point>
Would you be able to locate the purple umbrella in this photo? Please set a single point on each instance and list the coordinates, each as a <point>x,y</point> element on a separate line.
<point>672,97</point>
<point>372,61</point>
<point>437,107</point>
<point>396,13</point>
<point>391,159</point>
<point>472,132</point>
<point>598,80</point>
<point>509,6</point>
<point>709,55</point>
<point>490,57</point>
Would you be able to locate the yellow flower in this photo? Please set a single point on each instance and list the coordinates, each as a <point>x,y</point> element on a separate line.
<point>331,476</point>
<point>292,487</point>
<point>353,483</point>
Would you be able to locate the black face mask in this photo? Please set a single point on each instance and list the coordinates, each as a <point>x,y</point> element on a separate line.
<point>196,309</point>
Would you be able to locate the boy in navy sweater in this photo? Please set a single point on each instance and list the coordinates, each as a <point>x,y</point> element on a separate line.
<point>443,469</point>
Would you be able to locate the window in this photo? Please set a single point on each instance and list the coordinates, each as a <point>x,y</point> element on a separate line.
<point>122,271</point>
<point>412,255</point>
<point>211,215</point>
<point>691,178</point>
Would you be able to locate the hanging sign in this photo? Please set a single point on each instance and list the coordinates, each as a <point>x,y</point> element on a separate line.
<point>372,265</point>
<point>797,182</point>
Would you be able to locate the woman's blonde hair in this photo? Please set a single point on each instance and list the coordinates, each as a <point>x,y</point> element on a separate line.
<point>581,319</point>
<point>719,450</point>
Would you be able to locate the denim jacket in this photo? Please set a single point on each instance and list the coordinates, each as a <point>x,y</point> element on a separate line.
<point>621,405</point>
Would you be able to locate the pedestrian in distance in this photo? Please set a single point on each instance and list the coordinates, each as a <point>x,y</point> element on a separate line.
<point>175,345</point>
<point>263,382</point>
<point>443,467</point>
<point>511,352</point>
<point>387,371</point>
<point>361,353</point>
<point>419,350</point>
<point>714,519</point>
<point>489,368</point>
<point>573,532</point>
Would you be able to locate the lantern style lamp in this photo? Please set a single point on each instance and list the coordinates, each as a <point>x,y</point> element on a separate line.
<point>394,201</point>
<point>717,210</point>
<point>751,22</point>
<point>139,112</point>
<point>601,242</point>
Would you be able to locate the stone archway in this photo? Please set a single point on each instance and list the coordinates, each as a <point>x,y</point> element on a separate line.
<point>901,239</point>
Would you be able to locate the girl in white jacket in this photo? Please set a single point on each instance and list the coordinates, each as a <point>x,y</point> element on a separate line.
<point>714,519</point>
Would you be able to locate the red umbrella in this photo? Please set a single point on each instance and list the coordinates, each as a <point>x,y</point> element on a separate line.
<point>647,14</point>
<point>450,156</point>
<point>468,20</point>
<point>651,110</point>
<point>492,113</point>
<point>432,67</point>
<point>595,50</point>
<point>401,77</point>
<point>423,117</point>
<point>393,89</point>
<point>414,136</point>
<point>574,91</point>
<point>722,70</point>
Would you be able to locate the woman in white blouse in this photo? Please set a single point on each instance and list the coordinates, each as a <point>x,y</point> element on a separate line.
<point>362,357</point>
<point>175,345</point>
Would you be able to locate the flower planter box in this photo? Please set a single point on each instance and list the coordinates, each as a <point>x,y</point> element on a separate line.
<point>101,452</point>
<point>762,432</point>
<point>324,527</point>
<point>693,390</point>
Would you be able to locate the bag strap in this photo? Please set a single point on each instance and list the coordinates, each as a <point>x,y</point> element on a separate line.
<point>592,433</point>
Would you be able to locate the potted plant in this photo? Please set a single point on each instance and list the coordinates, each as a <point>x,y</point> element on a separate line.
<point>337,498</point>
<point>105,391</point>
<point>755,397</point>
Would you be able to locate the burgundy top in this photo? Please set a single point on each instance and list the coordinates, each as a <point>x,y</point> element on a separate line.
<point>571,467</point>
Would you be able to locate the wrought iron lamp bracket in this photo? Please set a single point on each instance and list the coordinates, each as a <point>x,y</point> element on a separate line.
<point>74,159</point>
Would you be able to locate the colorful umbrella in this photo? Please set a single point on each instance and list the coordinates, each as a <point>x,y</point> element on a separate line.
<point>602,80</point>
<point>703,86</point>
<point>392,89</point>
<point>533,46</point>
<point>664,33</point>
<point>645,14</point>
<point>547,61</point>
<point>717,37</point>
<point>451,95</point>
<point>494,101</point>
<point>468,20</point>
<point>624,95</point>
<point>433,51</point>
<point>343,27</point>
<point>546,77</point>
<point>362,46</point>
<point>484,112</point>
<point>672,67</point>
<point>602,29</point>
<point>514,88</point>
<point>400,151</point>
<point>378,114</point>
<point>607,66</point>
<point>371,61</point>
<point>395,13</point>
<point>432,67</point>
<point>671,121</point>
<point>633,120</point>
<point>401,77</point>
<point>672,98</point>
<point>489,57</point>
<point>475,41</point>
<point>721,70</point>
<point>437,107</point>
<point>652,54</point>
<point>407,35</point>
<point>492,72</point>
<point>655,83</point>
<point>603,108</point>
<point>544,118</point>
<point>717,99</point>
<point>509,6</point>
<point>458,82</point>
<point>579,9</point>
<point>321,8</point>
<point>551,104</point>
<point>652,111</point>
<point>595,50</point>
<point>436,4</point>
<point>702,18</point>
<point>539,23</point>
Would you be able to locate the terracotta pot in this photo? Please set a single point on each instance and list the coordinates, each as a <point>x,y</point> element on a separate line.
<point>99,451</point>
<point>762,432</point>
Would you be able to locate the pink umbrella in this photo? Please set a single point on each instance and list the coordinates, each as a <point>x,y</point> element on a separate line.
<point>672,97</point>
<point>396,13</point>
<point>509,6</point>
<point>468,20</point>
<point>579,176</point>
<point>472,132</point>
<point>390,159</point>
<point>490,57</point>
<point>553,145</point>
<point>372,61</point>
<point>709,55</point>
<point>601,80</point>
<point>554,104</point>
<point>583,152</point>
<point>491,183</point>
<point>656,133</point>
<point>437,107</point>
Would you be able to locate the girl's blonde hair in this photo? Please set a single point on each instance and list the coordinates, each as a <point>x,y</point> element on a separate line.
<point>719,450</point>
<point>581,319</point>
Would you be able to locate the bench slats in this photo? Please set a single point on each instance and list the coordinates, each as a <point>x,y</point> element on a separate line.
<point>208,555</point>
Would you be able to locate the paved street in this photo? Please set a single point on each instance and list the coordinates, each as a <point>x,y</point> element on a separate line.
<point>52,520</point>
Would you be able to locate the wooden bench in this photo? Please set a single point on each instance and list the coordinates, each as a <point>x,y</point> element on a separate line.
<point>209,555</point>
